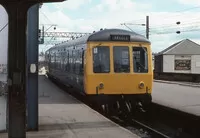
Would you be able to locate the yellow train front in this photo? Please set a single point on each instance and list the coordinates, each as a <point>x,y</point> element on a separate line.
<point>108,66</point>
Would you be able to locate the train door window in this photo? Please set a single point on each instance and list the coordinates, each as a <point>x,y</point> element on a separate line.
<point>71,61</point>
<point>79,62</point>
<point>121,59</point>
<point>101,59</point>
<point>74,61</point>
<point>57,60</point>
<point>54,59</point>
<point>51,60</point>
<point>82,62</point>
<point>67,61</point>
<point>63,60</point>
<point>77,68</point>
<point>140,59</point>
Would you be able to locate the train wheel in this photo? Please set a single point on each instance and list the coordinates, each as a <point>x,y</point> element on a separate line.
<point>133,107</point>
<point>105,109</point>
<point>98,107</point>
<point>112,109</point>
<point>124,109</point>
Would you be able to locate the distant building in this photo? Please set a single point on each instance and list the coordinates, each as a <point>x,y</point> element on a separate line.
<point>181,57</point>
<point>3,68</point>
<point>41,58</point>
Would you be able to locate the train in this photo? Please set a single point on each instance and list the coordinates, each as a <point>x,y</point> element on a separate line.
<point>110,67</point>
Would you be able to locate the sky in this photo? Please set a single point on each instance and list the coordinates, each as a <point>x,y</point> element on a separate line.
<point>91,15</point>
<point>3,36</point>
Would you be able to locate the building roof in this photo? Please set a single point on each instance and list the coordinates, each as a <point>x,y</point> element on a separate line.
<point>185,46</point>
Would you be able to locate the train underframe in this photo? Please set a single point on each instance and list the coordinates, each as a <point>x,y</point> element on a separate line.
<point>121,104</point>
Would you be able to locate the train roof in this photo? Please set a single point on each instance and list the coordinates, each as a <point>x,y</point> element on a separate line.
<point>104,35</point>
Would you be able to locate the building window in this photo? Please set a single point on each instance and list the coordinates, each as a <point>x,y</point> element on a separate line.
<point>121,59</point>
<point>101,59</point>
<point>140,59</point>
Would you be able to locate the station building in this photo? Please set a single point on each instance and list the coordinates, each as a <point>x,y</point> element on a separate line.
<point>181,57</point>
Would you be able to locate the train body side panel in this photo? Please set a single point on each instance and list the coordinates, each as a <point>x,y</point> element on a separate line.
<point>67,68</point>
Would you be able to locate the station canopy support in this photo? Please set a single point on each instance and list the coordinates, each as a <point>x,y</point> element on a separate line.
<point>17,55</point>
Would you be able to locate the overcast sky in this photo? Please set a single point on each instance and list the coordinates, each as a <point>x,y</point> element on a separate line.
<point>90,15</point>
<point>3,36</point>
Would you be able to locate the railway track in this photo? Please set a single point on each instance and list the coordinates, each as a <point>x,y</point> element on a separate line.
<point>161,122</point>
<point>147,131</point>
<point>151,128</point>
<point>153,132</point>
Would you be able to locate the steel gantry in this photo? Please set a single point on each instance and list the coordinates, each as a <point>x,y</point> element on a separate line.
<point>65,34</point>
<point>69,35</point>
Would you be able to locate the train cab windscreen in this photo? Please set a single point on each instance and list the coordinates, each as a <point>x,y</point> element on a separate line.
<point>140,60</point>
<point>101,59</point>
<point>121,59</point>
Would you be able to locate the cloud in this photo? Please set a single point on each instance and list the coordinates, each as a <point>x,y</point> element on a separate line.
<point>189,2</point>
<point>71,4</point>
<point>110,13</point>
<point>119,6</point>
<point>3,35</point>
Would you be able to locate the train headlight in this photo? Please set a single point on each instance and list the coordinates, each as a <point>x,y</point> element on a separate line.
<point>141,85</point>
<point>101,85</point>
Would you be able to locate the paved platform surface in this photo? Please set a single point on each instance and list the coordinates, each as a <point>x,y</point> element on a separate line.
<point>191,84</point>
<point>180,97</point>
<point>62,116</point>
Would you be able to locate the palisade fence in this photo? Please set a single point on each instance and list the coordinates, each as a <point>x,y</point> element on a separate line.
<point>3,79</point>
<point>3,88</point>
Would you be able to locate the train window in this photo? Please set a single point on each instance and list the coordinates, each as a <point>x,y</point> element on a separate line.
<point>101,62</point>
<point>121,59</point>
<point>140,59</point>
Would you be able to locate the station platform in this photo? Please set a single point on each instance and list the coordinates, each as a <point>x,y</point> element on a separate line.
<point>191,84</point>
<point>62,116</point>
<point>181,96</point>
